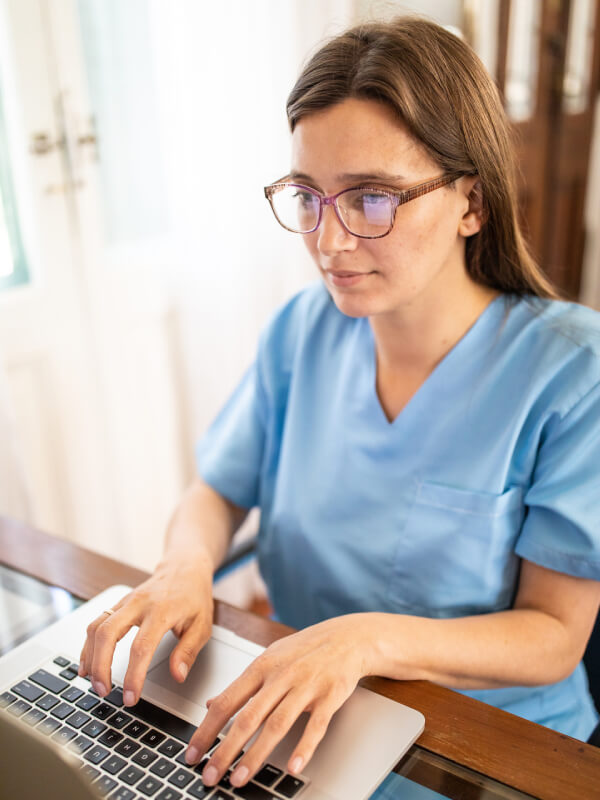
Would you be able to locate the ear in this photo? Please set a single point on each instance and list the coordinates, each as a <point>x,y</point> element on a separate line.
<point>473,218</point>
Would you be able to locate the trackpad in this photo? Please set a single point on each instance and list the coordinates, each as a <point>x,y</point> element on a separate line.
<point>216,666</point>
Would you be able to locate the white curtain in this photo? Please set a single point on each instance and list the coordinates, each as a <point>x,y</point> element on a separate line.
<point>14,489</point>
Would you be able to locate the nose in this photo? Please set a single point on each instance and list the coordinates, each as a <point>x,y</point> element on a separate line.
<point>333,237</point>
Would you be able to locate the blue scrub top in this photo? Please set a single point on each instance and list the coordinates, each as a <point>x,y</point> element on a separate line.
<point>495,458</point>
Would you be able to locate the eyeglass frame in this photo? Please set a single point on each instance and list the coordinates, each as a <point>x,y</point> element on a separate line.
<point>397,196</point>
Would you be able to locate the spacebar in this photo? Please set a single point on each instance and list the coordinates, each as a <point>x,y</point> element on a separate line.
<point>162,719</point>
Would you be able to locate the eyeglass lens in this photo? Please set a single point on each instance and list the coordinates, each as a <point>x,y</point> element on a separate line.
<point>364,213</point>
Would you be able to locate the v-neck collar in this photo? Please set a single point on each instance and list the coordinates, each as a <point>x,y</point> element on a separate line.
<point>465,348</point>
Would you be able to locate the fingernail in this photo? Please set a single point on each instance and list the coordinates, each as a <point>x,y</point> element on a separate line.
<point>192,755</point>
<point>128,698</point>
<point>81,670</point>
<point>99,687</point>
<point>183,670</point>
<point>239,776</point>
<point>296,765</point>
<point>209,776</point>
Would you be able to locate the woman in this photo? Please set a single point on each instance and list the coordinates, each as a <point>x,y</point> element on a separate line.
<point>420,429</point>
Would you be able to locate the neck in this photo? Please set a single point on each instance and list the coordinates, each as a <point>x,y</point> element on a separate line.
<point>419,335</point>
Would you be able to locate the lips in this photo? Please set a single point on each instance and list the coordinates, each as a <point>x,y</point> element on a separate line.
<point>344,278</point>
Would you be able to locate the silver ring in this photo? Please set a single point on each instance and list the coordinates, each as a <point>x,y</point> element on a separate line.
<point>109,611</point>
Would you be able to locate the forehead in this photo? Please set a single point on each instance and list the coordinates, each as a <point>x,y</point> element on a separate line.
<point>356,137</point>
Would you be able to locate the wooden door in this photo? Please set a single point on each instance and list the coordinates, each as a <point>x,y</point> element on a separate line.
<point>554,133</point>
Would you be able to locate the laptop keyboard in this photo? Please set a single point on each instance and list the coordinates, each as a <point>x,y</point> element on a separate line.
<point>128,753</point>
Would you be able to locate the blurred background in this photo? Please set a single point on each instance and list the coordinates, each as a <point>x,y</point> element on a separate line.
<point>138,256</point>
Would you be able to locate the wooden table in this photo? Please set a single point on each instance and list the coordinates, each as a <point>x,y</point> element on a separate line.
<point>459,730</point>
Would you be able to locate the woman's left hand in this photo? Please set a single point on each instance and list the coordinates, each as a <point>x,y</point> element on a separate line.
<point>314,670</point>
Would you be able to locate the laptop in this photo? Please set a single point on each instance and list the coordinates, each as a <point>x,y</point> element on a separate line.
<point>58,739</point>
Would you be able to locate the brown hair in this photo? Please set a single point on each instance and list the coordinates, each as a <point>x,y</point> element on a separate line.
<point>442,93</point>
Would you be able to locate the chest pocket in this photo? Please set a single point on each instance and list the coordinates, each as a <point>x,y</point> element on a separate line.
<point>455,554</point>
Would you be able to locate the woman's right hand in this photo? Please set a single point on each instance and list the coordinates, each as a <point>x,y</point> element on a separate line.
<point>177,597</point>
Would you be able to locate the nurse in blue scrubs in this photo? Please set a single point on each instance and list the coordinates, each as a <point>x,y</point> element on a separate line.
<point>420,428</point>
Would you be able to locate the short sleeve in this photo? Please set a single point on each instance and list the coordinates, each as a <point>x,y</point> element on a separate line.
<point>229,455</point>
<point>561,530</point>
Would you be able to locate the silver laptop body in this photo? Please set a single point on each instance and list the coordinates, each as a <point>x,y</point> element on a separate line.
<point>365,739</point>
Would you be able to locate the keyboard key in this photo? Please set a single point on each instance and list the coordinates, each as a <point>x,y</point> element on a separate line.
<point>252,791</point>
<point>224,782</point>
<point>47,702</point>
<point>68,674</point>
<point>18,708</point>
<point>48,726</point>
<point>268,775</point>
<point>115,697</point>
<point>199,768</point>
<point>127,747</point>
<point>170,748</point>
<point>96,754</point>
<point>6,698</point>
<point>167,722</point>
<point>289,786</point>
<point>113,764</point>
<point>34,716</point>
<point>94,728</point>
<point>87,702</point>
<point>149,786</point>
<point>62,710</point>
<point>71,694</point>
<point>80,744</point>
<point>28,691</point>
<point>152,738</point>
<point>90,772</point>
<point>64,735</point>
<point>119,720</point>
<point>61,661</point>
<point>181,778</point>
<point>198,789</point>
<point>110,738</point>
<point>221,794</point>
<point>123,793</point>
<point>168,794</point>
<point>131,775</point>
<point>74,667</point>
<point>48,681</point>
<point>104,785</point>
<point>145,757</point>
<point>78,719</point>
<point>135,728</point>
<point>103,711</point>
<point>162,768</point>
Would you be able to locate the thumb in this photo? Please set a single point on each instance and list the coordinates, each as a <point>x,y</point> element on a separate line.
<point>185,652</point>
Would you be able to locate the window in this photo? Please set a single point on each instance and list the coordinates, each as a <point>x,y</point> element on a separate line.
<point>13,264</point>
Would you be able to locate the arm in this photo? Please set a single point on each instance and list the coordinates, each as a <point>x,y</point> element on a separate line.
<point>540,640</point>
<point>177,597</point>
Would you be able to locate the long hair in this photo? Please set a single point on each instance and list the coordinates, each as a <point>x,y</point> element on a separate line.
<point>442,93</point>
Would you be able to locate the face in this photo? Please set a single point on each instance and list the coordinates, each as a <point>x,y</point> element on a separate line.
<point>423,257</point>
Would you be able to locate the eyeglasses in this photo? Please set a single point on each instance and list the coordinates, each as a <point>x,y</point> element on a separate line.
<point>364,211</point>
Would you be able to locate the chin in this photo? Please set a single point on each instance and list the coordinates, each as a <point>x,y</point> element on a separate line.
<point>352,305</point>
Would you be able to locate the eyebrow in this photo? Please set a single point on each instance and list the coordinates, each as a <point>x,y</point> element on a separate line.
<point>350,177</point>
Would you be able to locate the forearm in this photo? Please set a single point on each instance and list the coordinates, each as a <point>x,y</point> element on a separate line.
<point>524,647</point>
<point>201,527</point>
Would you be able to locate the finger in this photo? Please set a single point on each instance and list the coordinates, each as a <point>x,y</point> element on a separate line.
<point>222,708</point>
<point>315,730</point>
<point>86,657</point>
<point>276,726</point>
<point>245,725</point>
<point>142,649</point>
<point>185,652</point>
<point>106,635</point>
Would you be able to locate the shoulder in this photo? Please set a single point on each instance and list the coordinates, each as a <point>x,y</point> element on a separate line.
<point>300,323</point>
<point>557,343</point>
